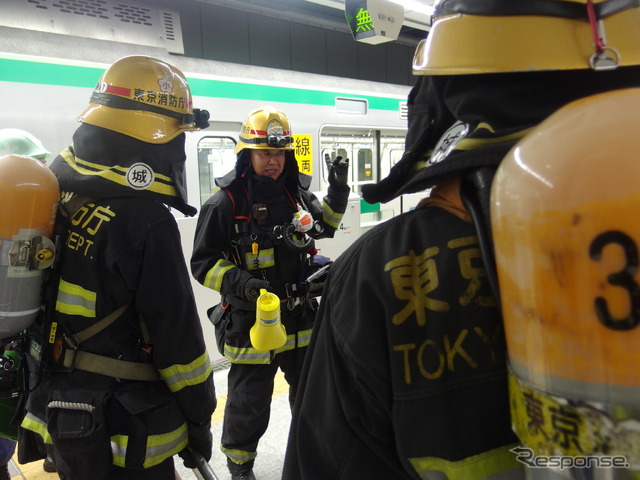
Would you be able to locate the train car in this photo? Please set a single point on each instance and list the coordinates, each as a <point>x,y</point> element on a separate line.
<point>46,80</point>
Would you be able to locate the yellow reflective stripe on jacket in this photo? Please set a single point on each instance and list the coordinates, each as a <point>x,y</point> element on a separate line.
<point>75,300</point>
<point>213,278</point>
<point>487,465</point>
<point>119,444</point>
<point>162,184</point>
<point>159,447</point>
<point>330,217</point>
<point>250,355</point>
<point>38,426</point>
<point>179,376</point>
<point>263,259</point>
<point>238,456</point>
<point>162,446</point>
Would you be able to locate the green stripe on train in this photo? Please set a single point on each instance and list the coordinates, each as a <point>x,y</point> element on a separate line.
<point>368,207</point>
<point>24,71</point>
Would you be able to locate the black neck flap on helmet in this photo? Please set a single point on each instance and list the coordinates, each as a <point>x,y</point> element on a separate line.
<point>519,101</point>
<point>103,163</point>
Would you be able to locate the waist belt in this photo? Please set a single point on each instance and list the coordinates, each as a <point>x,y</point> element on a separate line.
<point>241,304</point>
<point>111,367</point>
<point>72,357</point>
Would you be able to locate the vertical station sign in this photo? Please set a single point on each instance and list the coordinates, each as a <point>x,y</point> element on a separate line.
<point>304,153</point>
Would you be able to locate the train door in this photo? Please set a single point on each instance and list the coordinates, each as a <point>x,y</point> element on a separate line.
<point>209,155</point>
<point>372,152</point>
<point>391,153</point>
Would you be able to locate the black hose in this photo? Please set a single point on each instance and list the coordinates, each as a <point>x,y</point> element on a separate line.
<point>480,217</point>
<point>287,234</point>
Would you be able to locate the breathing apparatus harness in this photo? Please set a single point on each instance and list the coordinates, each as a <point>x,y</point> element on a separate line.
<point>246,238</point>
<point>301,223</point>
<point>56,350</point>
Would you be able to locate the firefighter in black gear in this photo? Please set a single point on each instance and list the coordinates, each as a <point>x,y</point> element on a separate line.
<point>128,382</point>
<point>406,373</point>
<point>245,242</point>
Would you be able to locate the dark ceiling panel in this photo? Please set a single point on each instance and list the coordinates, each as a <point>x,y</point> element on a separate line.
<point>225,35</point>
<point>342,55</point>
<point>269,42</point>
<point>372,62</point>
<point>399,58</point>
<point>308,49</point>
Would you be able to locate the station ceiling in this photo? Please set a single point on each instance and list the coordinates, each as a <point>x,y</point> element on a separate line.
<point>326,14</point>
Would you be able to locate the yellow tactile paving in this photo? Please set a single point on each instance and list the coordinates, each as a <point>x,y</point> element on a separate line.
<point>34,471</point>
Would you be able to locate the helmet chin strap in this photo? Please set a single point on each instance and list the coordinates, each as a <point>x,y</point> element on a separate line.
<point>198,117</point>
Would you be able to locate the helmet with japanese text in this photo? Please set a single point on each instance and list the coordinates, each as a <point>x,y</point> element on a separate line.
<point>144,98</point>
<point>20,142</point>
<point>469,37</point>
<point>265,128</point>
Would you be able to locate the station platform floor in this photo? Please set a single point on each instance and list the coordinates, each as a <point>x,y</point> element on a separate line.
<point>268,465</point>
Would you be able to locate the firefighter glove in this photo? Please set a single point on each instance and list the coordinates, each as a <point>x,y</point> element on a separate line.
<point>338,169</point>
<point>200,440</point>
<point>252,288</point>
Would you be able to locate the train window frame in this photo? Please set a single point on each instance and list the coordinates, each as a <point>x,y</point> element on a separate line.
<point>361,138</point>
<point>206,173</point>
<point>386,146</point>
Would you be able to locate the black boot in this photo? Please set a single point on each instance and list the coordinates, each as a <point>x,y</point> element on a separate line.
<point>48,465</point>
<point>243,476</point>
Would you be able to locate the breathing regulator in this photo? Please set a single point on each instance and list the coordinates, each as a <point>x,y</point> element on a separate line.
<point>293,235</point>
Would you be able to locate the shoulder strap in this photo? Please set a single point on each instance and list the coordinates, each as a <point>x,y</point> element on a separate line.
<point>232,192</point>
<point>476,196</point>
<point>69,207</point>
<point>110,367</point>
<point>77,338</point>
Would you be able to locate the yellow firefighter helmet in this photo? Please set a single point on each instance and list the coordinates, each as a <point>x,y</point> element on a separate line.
<point>265,128</point>
<point>470,37</point>
<point>144,98</point>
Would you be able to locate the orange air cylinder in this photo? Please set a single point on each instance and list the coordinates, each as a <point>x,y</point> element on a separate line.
<point>29,196</point>
<point>565,219</point>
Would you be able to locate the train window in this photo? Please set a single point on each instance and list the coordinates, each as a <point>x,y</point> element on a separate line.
<point>365,164</point>
<point>372,153</point>
<point>356,106</point>
<point>215,158</point>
